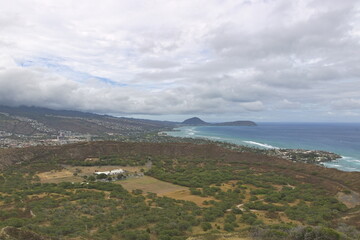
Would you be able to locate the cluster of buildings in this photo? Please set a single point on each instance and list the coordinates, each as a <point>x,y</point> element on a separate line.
<point>116,174</point>
<point>5,134</point>
<point>9,140</point>
<point>307,156</point>
<point>35,124</point>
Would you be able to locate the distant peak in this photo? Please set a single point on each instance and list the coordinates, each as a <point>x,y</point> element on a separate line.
<point>198,121</point>
<point>194,120</point>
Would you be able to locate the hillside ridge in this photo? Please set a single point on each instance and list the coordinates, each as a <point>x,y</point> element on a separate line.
<point>332,179</point>
<point>30,121</point>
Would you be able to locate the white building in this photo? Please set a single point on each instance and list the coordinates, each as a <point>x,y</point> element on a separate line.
<point>111,172</point>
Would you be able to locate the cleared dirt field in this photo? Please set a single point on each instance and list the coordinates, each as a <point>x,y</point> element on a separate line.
<point>351,199</point>
<point>150,184</point>
<point>186,195</point>
<point>161,188</point>
<point>59,176</point>
<point>67,174</point>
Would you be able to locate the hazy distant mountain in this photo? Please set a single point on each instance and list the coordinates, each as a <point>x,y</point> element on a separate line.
<point>33,120</point>
<point>198,121</point>
<point>194,121</point>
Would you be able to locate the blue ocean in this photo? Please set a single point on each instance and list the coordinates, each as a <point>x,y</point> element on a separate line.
<point>340,138</point>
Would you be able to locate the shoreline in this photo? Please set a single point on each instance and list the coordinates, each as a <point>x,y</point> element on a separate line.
<point>322,158</point>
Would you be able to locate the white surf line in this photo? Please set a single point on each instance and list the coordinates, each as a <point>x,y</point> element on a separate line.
<point>261,144</point>
<point>349,159</point>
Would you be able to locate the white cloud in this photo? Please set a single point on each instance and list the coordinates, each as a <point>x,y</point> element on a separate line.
<point>182,57</point>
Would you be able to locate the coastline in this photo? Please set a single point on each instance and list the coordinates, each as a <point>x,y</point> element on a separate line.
<point>329,159</point>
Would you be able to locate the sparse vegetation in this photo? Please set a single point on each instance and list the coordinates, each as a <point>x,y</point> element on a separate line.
<point>226,195</point>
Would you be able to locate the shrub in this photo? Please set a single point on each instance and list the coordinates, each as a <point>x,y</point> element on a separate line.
<point>228,227</point>
<point>101,176</point>
<point>206,226</point>
<point>310,233</point>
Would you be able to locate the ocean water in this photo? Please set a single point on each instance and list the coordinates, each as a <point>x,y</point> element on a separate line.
<point>340,138</point>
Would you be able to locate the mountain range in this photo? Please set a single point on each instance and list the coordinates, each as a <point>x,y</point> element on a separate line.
<point>32,121</point>
<point>35,120</point>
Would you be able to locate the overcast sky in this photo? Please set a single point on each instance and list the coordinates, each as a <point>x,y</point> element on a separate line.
<point>262,60</point>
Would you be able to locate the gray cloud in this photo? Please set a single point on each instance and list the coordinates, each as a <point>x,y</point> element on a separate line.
<point>347,104</point>
<point>259,59</point>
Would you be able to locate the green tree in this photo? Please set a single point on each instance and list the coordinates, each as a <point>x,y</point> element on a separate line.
<point>101,176</point>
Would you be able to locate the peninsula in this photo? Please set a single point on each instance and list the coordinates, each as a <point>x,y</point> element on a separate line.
<point>195,121</point>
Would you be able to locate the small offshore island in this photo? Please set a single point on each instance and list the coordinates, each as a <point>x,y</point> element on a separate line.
<point>195,121</point>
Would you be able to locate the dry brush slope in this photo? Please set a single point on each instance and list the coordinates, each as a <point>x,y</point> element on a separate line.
<point>331,179</point>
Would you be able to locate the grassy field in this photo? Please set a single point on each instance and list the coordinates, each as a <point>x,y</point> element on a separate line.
<point>59,176</point>
<point>161,188</point>
<point>186,195</point>
<point>150,184</point>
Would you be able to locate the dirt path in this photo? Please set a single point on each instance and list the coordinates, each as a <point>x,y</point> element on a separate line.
<point>351,199</point>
